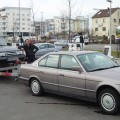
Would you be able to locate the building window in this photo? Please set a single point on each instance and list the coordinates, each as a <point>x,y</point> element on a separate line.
<point>8,14</point>
<point>23,28</point>
<point>119,20</point>
<point>4,24</point>
<point>114,20</point>
<point>103,20</point>
<point>104,29</point>
<point>96,29</point>
<point>4,28</point>
<point>96,21</point>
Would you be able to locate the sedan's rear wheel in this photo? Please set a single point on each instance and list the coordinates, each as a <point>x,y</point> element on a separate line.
<point>109,101</point>
<point>36,87</point>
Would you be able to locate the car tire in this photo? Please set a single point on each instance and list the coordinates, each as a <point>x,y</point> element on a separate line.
<point>36,87</point>
<point>108,100</point>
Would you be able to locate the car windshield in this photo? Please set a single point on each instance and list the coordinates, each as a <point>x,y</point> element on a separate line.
<point>96,61</point>
<point>2,42</point>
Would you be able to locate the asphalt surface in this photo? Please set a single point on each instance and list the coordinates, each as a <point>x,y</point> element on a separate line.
<point>17,103</point>
<point>114,47</point>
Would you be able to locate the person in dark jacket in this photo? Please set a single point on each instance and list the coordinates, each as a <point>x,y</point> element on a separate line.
<point>30,50</point>
<point>81,41</point>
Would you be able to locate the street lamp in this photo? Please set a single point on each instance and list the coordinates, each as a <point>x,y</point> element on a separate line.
<point>110,1</point>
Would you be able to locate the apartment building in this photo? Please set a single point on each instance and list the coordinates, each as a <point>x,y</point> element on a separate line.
<point>101,22</point>
<point>81,24</point>
<point>59,25</point>
<point>50,26</point>
<point>14,21</point>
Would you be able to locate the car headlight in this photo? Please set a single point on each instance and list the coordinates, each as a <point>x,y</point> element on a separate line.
<point>2,54</point>
<point>19,52</point>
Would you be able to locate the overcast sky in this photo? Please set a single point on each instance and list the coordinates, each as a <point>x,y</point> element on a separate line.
<point>51,8</point>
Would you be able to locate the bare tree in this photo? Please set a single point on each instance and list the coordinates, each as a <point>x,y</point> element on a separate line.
<point>33,14</point>
<point>63,24</point>
<point>70,5</point>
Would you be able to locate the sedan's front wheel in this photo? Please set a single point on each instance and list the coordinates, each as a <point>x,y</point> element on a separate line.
<point>36,87</point>
<point>109,101</point>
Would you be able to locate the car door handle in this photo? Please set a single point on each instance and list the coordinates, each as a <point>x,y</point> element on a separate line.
<point>61,75</point>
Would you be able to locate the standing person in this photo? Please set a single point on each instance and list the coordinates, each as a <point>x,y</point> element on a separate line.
<point>81,41</point>
<point>30,50</point>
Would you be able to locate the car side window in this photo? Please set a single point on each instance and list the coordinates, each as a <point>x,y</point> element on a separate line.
<point>43,46</point>
<point>67,62</point>
<point>42,62</point>
<point>52,61</point>
<point>51,46</point>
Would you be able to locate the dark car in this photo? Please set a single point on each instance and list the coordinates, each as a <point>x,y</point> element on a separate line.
<point>9,54</point>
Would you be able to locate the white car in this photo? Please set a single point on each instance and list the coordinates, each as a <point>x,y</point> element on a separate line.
<point>76,39</point>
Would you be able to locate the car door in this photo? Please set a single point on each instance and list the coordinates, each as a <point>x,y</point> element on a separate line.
<point>48,69</point>
<point>43,49</point>
<point>51,48</point>
<point>70,82</point>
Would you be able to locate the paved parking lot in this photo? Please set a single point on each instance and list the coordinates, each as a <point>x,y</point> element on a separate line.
<point>17,103</point>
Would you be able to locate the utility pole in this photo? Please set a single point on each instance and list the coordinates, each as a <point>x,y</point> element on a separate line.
<point>69,19</point>
<point>41,25</point>
<point>19,17</point>
<point>110,1</point>
<point>20,35</point>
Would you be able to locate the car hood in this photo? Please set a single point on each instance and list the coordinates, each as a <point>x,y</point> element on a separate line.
<point>113,74</point>
<point>7,48</point>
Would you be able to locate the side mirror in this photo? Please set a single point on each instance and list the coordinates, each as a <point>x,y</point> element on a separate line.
<point>77,68</point>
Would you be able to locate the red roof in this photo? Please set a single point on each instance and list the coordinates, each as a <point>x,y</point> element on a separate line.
<point>105,12</point>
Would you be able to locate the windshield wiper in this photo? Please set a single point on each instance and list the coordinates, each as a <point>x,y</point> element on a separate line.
<point>105,68</point>
<point>98,69</point>
<point>114,66</point>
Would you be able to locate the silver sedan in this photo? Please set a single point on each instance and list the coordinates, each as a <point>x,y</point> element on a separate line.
<point>46,48</point>
<point>86,75</point>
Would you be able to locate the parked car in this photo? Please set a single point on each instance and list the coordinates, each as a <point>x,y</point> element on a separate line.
<point>46,48</point>
<point>86,75</point>
<point>63,43</point>
<point>9,54</point>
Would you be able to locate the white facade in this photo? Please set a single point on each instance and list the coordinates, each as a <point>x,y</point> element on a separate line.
<point>62,24</point>
<point>9,20</point>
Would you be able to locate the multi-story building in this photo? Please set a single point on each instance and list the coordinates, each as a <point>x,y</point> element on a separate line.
<point>50,26</point>
<point>61,25</point>
<point>15,20</point>
<point>81,24</point>
<point>101,22</point>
